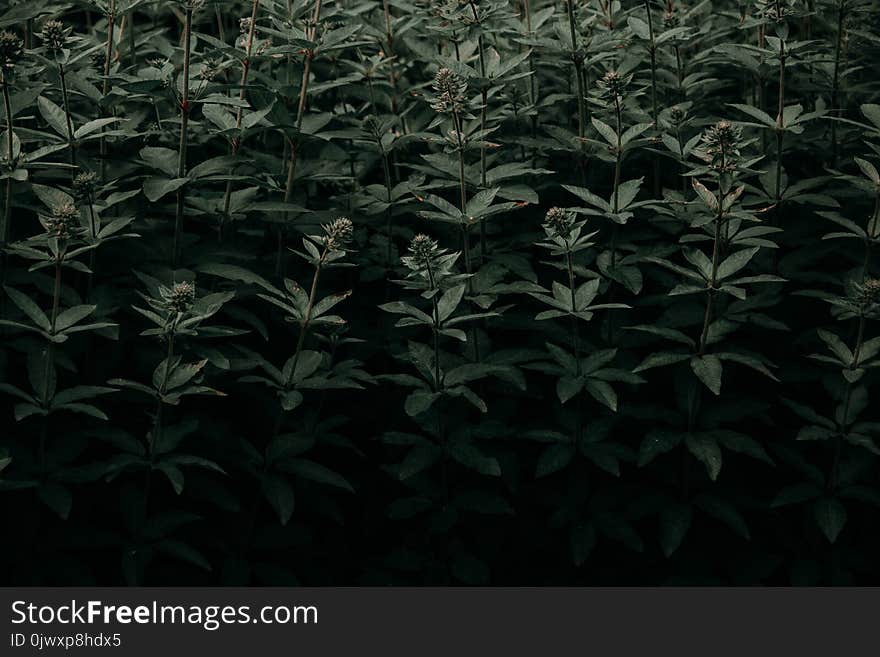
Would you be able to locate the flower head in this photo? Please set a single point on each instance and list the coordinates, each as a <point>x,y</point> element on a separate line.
<point>422,248</point>
<point>84,184</point>
<point>612,85</point>
<point>677,115</point>
<point>558,221</point>
<point>869,292</point>
<point>209,70</point>
<point>180,298</point>
<point>11,50</point>
<point>722,143</point>
<point>776,10</point>
<point>61,223</point>
<point>54,35</point>
<point>338,232</point>
<point>450,89</point>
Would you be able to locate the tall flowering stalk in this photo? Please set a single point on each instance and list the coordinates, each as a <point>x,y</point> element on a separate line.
<point>54,36</point>
<point>184,103</point>
<point>842,13</point>
<point>11,52</point>
<point>450,99</point>
<point>577,58</point>
<point>293,143</point>
<point>105,84</point>
<point>249,26</point>
<point>722,149</point>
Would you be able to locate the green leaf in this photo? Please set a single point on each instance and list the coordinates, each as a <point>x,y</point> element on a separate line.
<point>449,301</point>
<point>315,472</point>
<point>735,262</point>
<point>723,511</point>
<point>661,359</point>
<point>156,188</point>
<point>675,521</point>
<point>183,552</point>
<point>581,541</point>
<point>830,515</point>
<point>706,450</point>
<point>756,113</point>
<point>56,497</point>
<point>708,370</point>
<point>657,442</point>
<point>419,401</point>
<point>29,308</point>
<point>53,115</point>
<point>161,159</point>
<point>280,496</point>
<point>71,316</point>
<point>470,457</point>
<point>705,195</point>
<point>553,459</point>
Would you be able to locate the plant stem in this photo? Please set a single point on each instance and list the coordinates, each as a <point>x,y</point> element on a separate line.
<point>716,252</point>
<point>575,330</point>
<point>94,229</point>
<point>184,125</point>
<point>618,156</point>
<point>392,72</point>
<point>294,146</point>
<point>835,78</point>
<point>653,50</point>
<point>5,227</point>
<point>304,325</point>
<point>834,472</point>
<point>236,141</point>
<point>483,104</point>
<point>780,132</point>
<point>462,184</point>
<point>71,144</point>
<point>533,92</point>
<point>108,54</point>
<point>578,69</point>
<point>435,312</point>
<point>386,170</point>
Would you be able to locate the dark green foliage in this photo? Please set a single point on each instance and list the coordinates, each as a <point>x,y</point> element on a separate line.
<point>439,292</point>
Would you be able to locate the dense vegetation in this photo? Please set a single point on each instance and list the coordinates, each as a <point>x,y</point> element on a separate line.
<point>438,292</point>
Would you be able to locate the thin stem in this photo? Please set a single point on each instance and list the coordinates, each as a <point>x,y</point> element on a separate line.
<point>533,92</point>
<point>184,126</point>
<point>835,78</point>
<point>435,312</point>
<point>5,228</point>
<point>716,253</point>
<point>236,141</point>
<point>392,72</point>
<point>49,362</point>
<point>483,104</point>
<point>105,86</point>
<point>94,229</point>
<point>386,170</point>
<point>780,133</point>
<point>578,67</point>
<point>304,325</point>
<point>834,472</point>
<point>71,144</point>
<point>618,156</point>
<point>465,236</point>
<point>575,330</point>
<point>653,51</point>
<point>300,111</point>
